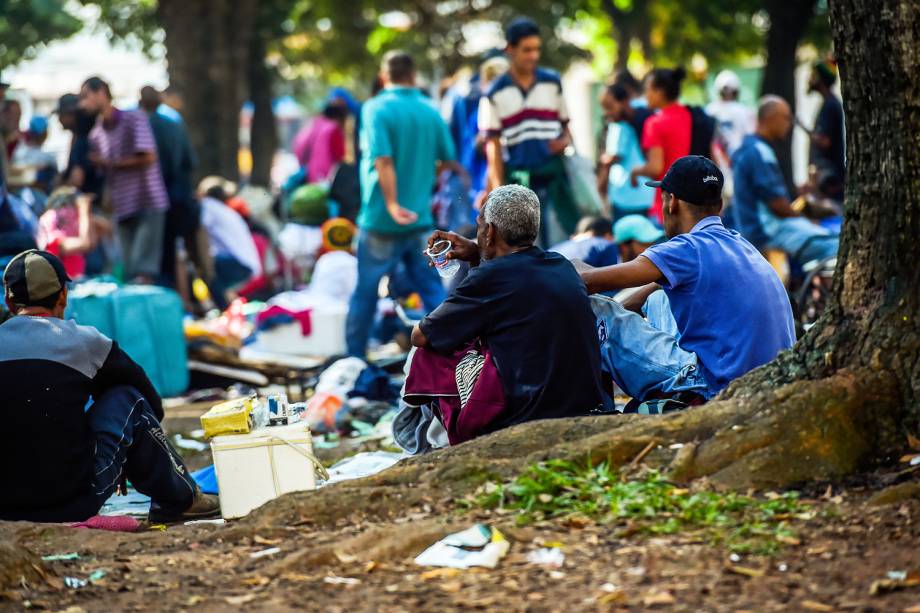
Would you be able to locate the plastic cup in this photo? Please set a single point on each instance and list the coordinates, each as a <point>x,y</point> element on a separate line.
<point>438,254</point>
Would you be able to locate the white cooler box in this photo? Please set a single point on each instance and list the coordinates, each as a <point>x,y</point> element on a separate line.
<point>262,465</point>
<point>326,338</point>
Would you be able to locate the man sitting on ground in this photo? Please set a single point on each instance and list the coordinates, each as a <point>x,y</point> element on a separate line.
<point>633,235</point>
<point>592,243</point>
<point>729,307</point>
<point>50,371</point>
<point>761,206</point>
<point>528,311</point>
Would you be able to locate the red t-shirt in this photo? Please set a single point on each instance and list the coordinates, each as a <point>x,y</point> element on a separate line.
<point>670,130</point>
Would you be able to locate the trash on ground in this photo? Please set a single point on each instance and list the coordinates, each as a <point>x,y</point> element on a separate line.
<point>59,557</point>
<point>75,583</point>
<point>333,580</point>
<point>265,552</point>
<point>362,465</point>
<point>479,545</point>
<point>190,444</point>
<point>215,522</point>
<point>549,556</point>
<point>897,580</point>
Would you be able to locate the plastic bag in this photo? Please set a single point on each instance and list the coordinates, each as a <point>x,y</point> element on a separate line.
<point>580,172</point>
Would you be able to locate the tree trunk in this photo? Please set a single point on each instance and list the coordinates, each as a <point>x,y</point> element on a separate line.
<point>788,23</point>
<point>841,400</point>
<point>207,49</point>
<point>263,134</point>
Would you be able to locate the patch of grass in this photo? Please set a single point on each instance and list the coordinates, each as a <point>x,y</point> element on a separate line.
<point>647,505</point>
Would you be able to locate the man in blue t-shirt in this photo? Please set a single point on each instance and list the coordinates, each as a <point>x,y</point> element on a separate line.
<point>402,140</point>
<point>761,209</point>
<point>731,311</point>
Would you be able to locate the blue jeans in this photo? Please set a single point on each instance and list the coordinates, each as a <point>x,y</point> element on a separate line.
<point>129,443</point>
<point>378,255</point>
<point>639,355</point>
<point>803,240</point>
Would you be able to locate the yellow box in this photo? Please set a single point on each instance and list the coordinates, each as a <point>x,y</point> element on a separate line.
<point>231,417</point>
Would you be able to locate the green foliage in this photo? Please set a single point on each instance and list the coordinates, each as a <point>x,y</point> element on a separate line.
<point>27,24</point>
<point>130,20</point>
<point>648,505</point>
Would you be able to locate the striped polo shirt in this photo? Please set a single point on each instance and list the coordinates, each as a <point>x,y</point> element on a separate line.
<point>132,190</point>
<point>526,120</point>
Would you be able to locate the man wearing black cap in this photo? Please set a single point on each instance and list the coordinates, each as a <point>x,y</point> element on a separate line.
<point>62,460</point>
<point>731,311</point>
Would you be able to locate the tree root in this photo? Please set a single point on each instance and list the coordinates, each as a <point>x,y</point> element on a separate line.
<point>802,431</point>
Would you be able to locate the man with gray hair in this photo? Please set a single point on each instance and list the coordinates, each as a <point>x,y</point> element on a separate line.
<point>526,310</point>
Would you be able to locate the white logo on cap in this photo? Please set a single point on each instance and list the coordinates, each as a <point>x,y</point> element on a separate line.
<point>710,179</point>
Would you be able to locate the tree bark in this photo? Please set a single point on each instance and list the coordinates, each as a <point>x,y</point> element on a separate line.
<point>788,24</point>
<point>263,133</point>
<point>207,50</point>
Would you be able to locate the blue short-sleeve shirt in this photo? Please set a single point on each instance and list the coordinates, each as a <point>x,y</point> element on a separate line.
<point>758,180</point>
<point>731,309</point>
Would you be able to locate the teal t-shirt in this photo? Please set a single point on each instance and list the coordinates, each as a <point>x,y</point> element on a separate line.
<point>623,141</point>
<point>401,123</point>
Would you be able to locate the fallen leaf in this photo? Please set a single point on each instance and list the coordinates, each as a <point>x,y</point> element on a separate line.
<point>545,498</point>
<point>370,566</point>
<point>914,443</point>
<point>261,540</point>
<point>788,540</point>
<point>614,597</point>
<point>256,581</point>
<point>238,600</point>
<point>744,570</point>
<point>345,558</point>
<point>658,598</point>
<point>811,605</point>
<point>296,577</point>
<point>451,587</point>
<point>193,600</point>
<point>439,573</point>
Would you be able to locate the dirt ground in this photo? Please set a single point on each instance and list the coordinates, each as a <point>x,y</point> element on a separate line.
<point>360,565</point>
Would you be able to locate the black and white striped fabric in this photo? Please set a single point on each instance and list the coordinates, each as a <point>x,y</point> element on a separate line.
<point>467,373</point>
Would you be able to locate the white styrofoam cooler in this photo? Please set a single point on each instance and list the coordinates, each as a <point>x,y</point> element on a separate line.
<point>262,465</point>
<point>326,338</point>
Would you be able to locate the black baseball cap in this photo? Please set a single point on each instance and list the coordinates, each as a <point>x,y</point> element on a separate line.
<point>694,179</point>
<point>34,275</point>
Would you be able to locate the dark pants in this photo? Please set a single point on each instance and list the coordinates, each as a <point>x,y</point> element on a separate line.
<point>129,443</point>
<point>182,219</point>
<point>229,273</point>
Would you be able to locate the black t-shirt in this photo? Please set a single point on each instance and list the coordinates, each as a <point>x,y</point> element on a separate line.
<point>531,308</point>
<point>830,123</point>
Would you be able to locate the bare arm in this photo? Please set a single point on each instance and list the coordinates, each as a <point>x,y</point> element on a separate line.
<point>636,301</point>
<point>418,338</point>
<point>496,172</point>
<point>781,207</point>
<point>386,175</point>
<point>653,167</point>
<point>636,273</point>
<point>140,159</point>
